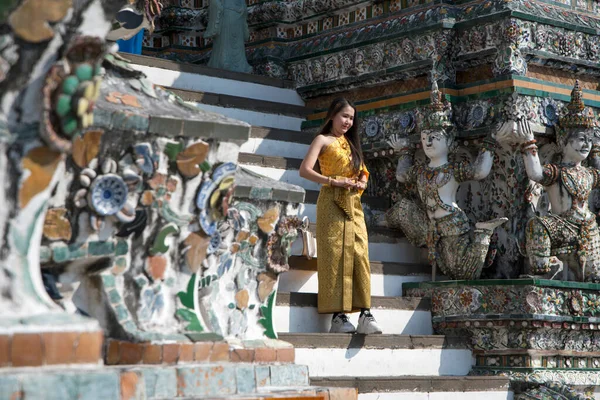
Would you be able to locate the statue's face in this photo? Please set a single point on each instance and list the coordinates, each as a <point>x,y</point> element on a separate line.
<point>435,143</point>
<point>578,146</point>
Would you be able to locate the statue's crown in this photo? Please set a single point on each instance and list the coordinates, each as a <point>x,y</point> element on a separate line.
<point>576,116</point>
<point>438,117</point>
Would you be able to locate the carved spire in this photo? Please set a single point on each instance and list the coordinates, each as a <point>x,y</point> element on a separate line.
<point>577,116</point>
<point>436,98</point>
<point>438,115</point>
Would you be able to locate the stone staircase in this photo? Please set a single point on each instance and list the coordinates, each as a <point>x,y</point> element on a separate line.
<point>407,361</point>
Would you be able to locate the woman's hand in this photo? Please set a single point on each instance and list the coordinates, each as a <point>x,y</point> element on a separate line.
<point>343,182</point>
<point>360,185</point>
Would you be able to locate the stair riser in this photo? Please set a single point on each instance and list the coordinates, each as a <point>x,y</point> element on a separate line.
<point>201,83</point>
<point>254,117</point>
<point>310,210</point>
<point>391,362</point>
<point>381,285</point>
<point>274,148</point>
<point>401,252</point>
<point>307,320</point>
<point>504,395</point>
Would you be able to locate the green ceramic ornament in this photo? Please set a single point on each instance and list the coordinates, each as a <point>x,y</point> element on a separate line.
<point>69,125</point>
<point>84,72</point>
<point>70,84</point>
<point>63,105</point>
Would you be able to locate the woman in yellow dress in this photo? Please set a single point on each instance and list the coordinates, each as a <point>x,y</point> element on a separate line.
<point>342,244</point>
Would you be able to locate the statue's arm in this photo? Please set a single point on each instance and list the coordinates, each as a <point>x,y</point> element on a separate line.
<point>520,133</point>
<point>404,167</point>
<point>215,14</point>
<point>402,146</point>
<point>245,16</point>
<point>594,157</point>
<point>484,161</point>
<point>535,171</point>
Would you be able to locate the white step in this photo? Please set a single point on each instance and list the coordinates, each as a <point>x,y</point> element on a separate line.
<point>212,84</point>
<point>255,117</point>
<point>343,355</point>
<point>381,285</point>
<point>386,278</point>
<point>267,147</point>
<point>297,313</point>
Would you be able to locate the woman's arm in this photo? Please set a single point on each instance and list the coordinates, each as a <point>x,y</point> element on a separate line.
<point>307,168</point>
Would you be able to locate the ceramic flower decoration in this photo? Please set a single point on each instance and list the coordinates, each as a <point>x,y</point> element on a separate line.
<point>107,193</point>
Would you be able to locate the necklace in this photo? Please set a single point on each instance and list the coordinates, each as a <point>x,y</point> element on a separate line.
<point>429,183</point>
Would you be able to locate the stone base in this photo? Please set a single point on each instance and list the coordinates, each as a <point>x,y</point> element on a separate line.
<point>533,331</point>
<point>522,379</point>
<point>214,380</point>
<point>50,339</point>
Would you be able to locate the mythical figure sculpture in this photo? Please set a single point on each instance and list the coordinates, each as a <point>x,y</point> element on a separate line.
<point>228,27</point>
<point>569,233</point>
<point>458,250</point>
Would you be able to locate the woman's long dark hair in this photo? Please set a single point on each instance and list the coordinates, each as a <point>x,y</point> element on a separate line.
<point>351,135</point>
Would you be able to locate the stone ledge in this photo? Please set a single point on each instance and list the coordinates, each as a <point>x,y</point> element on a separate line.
<point>215,381</point>
<point>127,353</point>
<point>257,187</point>
<point>50,348</point>
<point>418,384</point>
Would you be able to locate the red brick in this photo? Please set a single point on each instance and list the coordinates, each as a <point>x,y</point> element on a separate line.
<point>27,350</point>
<point>129,384</point>
<point>89,348</point>
<point>265,354</point>
<point>4,350</point>
<point>152,354</point>
<point>59,347</point>
<point>113,352</point>
<point>242,355</point>
<point>202,351</point>
<point>186,352</point>
<point>220,352</point>
<point>343,394</point>
<point>287,355</point>
<point>171,353</point>
<point>131,353</point>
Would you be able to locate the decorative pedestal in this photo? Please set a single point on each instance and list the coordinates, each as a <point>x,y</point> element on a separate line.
<point>531,330</point>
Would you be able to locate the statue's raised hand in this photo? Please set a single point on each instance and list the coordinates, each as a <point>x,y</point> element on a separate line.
<point>398,143</point>
<point>514,132</point>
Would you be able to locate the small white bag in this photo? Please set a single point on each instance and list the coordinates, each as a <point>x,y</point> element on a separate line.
<point>306,243</point>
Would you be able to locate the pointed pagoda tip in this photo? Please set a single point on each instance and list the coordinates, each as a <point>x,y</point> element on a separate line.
<point>576,103</point>
<point>436,97</point>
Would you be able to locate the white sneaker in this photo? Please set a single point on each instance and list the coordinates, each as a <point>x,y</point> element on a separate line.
<point>341,324</point>
<point>367,324</point>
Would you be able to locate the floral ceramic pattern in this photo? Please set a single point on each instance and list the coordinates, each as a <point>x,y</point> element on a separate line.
<point>108,194</point>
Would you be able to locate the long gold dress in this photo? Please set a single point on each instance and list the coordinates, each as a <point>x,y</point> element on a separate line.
<point>342,242</point>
